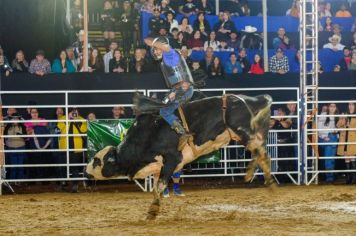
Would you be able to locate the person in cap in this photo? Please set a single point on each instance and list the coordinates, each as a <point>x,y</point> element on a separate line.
<point>334,43</point>
<point>40,65</point>
<point>177,77</point>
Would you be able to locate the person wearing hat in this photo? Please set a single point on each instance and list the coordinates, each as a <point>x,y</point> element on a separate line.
<point>343,12</point>
<point>334,44</point>
<point>40,65</point>
<point>251,39</point>
<point>165,7</point>
<point>279,62</point>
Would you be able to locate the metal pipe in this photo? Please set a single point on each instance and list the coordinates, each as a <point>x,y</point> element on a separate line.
<point>265,45</point>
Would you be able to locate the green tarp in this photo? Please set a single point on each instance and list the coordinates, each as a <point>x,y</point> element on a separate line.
<point>102,133</point>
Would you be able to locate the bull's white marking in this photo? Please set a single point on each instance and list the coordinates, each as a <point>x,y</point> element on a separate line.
<point>152,168</point>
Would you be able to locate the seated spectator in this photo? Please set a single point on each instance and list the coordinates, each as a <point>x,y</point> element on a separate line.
<point>117,63</point>
<point>171,22</point>
<point>324,10</point>
<point>225,27</point>
<point>352,65</point>
<point>188,8</point>
<point>199,75</point>
<point>353,42</point>
<point>19,64</point>
<point>211,42</point>
<point>185,27</point>
<point>337,29</point>
<point>202,25</point>
<point>155,22</point>
<point>5,67</point>
<point>91,116</point>
<point>109,55</point>
<point>353,27</point>
<point>345,61</point>
<point>62,64</point>
<point>148,6</point>
<point>107,18</point>
<point>206,7</point>
<point>138,63</point>
<point>223,47</point>
<point>328,25</point>
<point>165,7</point>
<point>277,41</point>
<point>182,41</point>
<point>71,57</point>
<point>295,67</point>
<point>196,43</point>
<point>286,44</point>
<point>343,12</point>
<point>40,65</point>
<point>185,52</point>
<point>233,41</point>
<point>232,66</point>
<point>279,63</point>
<point>96,63</point>
<point>251,39</point>
<point>334,44</point>
<point>238,7</point>
<point>173,39</point>
<point>257,66</point>
<point>208,59</point>
<point>118,112</point>
<point>294,10</point>
<point>337,68</point>
<point>245,64</point>
<point>216,69</point>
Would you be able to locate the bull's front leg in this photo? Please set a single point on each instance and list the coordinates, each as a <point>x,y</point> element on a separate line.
<point>154,208</point>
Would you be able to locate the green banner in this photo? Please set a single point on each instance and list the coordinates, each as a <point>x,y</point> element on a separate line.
<point>102,133</point>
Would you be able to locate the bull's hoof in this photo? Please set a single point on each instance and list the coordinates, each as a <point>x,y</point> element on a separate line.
<point>248,177</point>
<point>153,212</point>
<point>271,184</point>
<point>151,217</point>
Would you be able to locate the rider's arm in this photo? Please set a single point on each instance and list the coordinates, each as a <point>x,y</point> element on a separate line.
<point>152,43</point>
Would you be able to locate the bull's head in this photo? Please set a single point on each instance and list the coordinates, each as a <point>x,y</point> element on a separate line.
<point>103,165</point>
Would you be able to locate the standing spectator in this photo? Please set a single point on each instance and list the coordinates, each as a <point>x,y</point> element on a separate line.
<point>334,44</point>
<point>117,64</point>
<point>328,136</point>
<point>343,12</point>
<point>196,43</point>
<point>15,144</point>
<point>215,69</point>
<point>277,41</point>
<point>225,27</point>
<point>328,24</point>
<point>185,27</point>
<point>138,63</point>
<point>232,66</point>
<point>233,41</point>
<point>71,57</point>
<point>346,60</point>
<point>40,65</point>
<point>172,23</point>
<point>118,112</point>
<point>155,22</point>
<point>348,150</point>
<point>245,64</point>
<point>62,64</point>
<point>211,42</point>
<point>77,126</point>
<point>352,65</point>
<point>19,64</point>
<point>5,68</point>
<point>257,66</point>
<point>202,25</point>
<point>251,39</point>
<point>208,59</point>
<point>96,63</point>
<point>109,55</point>
<point>294,10</point>
<point>107,22</point>
<point>188,8</point>
<point>279,63</point>
<point>206,7</point>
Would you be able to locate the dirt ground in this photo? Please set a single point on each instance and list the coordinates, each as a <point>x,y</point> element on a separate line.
<point>291,210</point>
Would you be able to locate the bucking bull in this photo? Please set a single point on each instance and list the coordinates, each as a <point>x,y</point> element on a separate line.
<point>150,145</point>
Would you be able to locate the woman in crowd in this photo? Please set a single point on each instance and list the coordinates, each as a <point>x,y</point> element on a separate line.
<point>328,25</point>
<point>216,69</point>
<point>202,25</point>
<point>348,150</point>
<point>185,27</point>
<point>117,64</point>
<point>107,17</point>
<point>225,27</point>
<point>173,23</point>
<point>181,40</point>
<point>5,68</point>
<point>334,44</point>
<point>212,42</point>
<point>196,43</point>
<point>62,64</point>
<point>352,65</point>
<point>96,63</point>
<point>294,10</point>
<point>329,135</point>
<point>19,64</point>
<point>257,66</point>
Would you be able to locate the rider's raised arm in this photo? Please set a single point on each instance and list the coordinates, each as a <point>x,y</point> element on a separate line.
<point>154,43</point>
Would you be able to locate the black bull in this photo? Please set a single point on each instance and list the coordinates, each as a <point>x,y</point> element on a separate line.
<point>150,146</point>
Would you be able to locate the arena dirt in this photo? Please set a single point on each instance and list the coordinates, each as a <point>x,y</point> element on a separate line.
<point>291,210</point>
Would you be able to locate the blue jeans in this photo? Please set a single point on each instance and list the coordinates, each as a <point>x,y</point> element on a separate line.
<point>168,112</point>
<point>328,151</point>
<point>16,158</point>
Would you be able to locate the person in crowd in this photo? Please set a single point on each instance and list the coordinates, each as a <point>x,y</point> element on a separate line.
<point>185,27</point>
<point>117,63</point>
<point>76,19</point>
<point>232,66</point>
<point>19,64</point>
<point>95,63</point>
<point>294,10</point>
<point>91,116</point>
<point>328,136</point>
<point>277,41</point>
<point>109,55</point>
<point>71,57</point>
<point>181,41</point>
<point>212,42</point>
<point>128,17</point>
<point>233,41</point>
<point>345,61</point>
<point>40,65</point>
<point>206,7</point>
<point>279,62</point>
<point>337,68</point>
<point>188,8</point>
<point>257,66</point>
<point>223,47</point>
<point>322,12</point>
<point>15,144</point>
<point>107,18</point>
<point>202,25</point>
<point>155,22</point>
<point>118,112</point>
<point>352,65</point>
<point>244,62</point>
<point>148,6</point>
<point>171,21</point>
<point>343,12</point>
<point>165,7</point>
<point>138,62</point>
<point>348,136</point>
<point>216,69</point>
<point>334,44</point>
<point>196,43</point>
<point>295,67</point>
<point>353,42</point>
<point>225,27</point>
<point>77,126</point>
<point>78,47</point>
<point>238,7</point>
<point>38,126</point>
<point>286,44</point>
<point>353,27</point>
<point>173,39</point>
<point>62,64</point>
<point>5,68</point>
<point>163,31</point>
<point>199,75</point>
<point>186,52</point>
<point>328,25</point>
<point>328,11</point>
<point>9,112</point>
<point>139,5</point>
<point>293,136</point>
<point>251,39</point>
<point>208,59</point>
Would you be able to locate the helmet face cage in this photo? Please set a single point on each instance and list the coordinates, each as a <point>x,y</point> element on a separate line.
<point>154,56</point>
<point>162,40</point>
